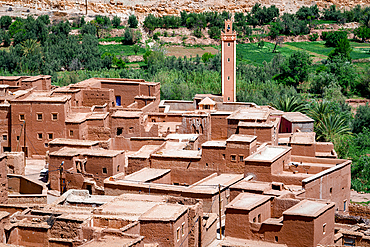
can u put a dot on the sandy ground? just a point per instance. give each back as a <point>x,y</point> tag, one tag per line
<point>358,197</point>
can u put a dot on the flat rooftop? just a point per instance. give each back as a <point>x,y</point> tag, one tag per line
<point>144,152</point>
<point>241,138</point>
<point>77,142</point>
<point>249,113</point>
<point>256,124</point>
<point>297,117</point>
<point>238,242</point>
<point>269,153</point>
<point>164,212</point>
<point>111,241</point>
<point>127,114</point>
<point>248,201</point>
<point>182,137</point>
<point>212,181</point>
<point>66,151</point>
<point>256,186</point>
<point>303,138</point>
<point>308,208</point>
<point>146,175</point>
<point>214,144</point>
<point>176,149</point>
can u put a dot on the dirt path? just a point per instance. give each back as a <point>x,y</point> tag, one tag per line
<point>317,58</point>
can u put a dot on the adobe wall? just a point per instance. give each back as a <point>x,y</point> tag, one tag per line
<point>179,105</point>
<point>27,199</point>
<point>130,127</point>
<point>333,184</point>
<point>263,134</point>
<point>197,124</point>
<point>76,130</point>
<point>285,126</point>
<point>219,126</point>
<point>54,166</point>
<point>304,127</point>
<point>164,233</point>
<point>324,146</point>
<point>279,205</point>
<point>3,181</point>
<point>237,224</point>
<point>127,91</point>
<point>136,164</point>
<point>97,96</point>
<point>135,143</point>
<point>23,185</point>
<point>304,149</point>
<point>5,127</point>
<point>35,127</point>
<point>29,236</point>
<point>15,163</point>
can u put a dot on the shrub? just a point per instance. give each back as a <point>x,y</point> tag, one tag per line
<point>198,32</point>
<point>156,35</point>
<point>214,32</point>
<point>5,22</point>
<point>313,37</point>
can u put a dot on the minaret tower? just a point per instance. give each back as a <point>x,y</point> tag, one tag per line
<point>228,62</point>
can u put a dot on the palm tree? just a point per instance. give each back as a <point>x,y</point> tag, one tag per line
<point>30,47</point>
<point>318,110</point>
<point>332,126</point>
<point>290,104</point>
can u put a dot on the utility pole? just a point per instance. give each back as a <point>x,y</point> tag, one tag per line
<point>61,177</point>
<point>219,209</point>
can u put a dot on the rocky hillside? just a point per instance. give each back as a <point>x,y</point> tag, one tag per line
<point>161,7</point>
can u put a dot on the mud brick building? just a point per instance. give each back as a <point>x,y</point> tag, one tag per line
<point>167,173</point>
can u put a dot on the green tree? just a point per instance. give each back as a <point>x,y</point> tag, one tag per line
<point>132,21</point>
<point>5,22</point>
<point>295,69</point>
<point>342,49</point>
<point>116,22</point>
<point>136,49</point>
<point>362,32</point>
<point>362,119</point>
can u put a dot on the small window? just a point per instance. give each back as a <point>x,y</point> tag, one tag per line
<point>223,156</point>
<point>276,239</point>
<point>183,229</point>
<point>241,158</point>
<point>39,135</point>
<point>207,107</point>
<point>105,170</point>
<point>228,98</point>
<point>331,190</point>
<point>233,157</point>
<point>259,218</point>
<point>178,234</point>
<point>54,116</point>
<point>71,133</point>
<point>119,131</point>
<point>323,228</point>
<point>118,168</point>
<point>228,59</point>
<point>17,138</point>
<point>46,144</point>
<point>228,44</point>
<point>21,117</point>
<point>254,220</point>
<point>5,137</point>
<point>50,136</point>
<point>131,130</point>
<point>345,205</point>
<point>228,78</point>
<point>39,116</point>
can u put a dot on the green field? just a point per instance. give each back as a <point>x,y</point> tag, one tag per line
<point>360,50</point>
<point>120,50</point>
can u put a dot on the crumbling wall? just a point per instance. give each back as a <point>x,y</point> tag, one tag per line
<point>15,163</point>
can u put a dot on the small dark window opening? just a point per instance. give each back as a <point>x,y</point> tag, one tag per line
<point>105,170</point>
<point>17,138</point>
<point>119,131</point>
<point>233,157</point>
<point>241,158</point>
<point>39,135</point>
<point>50,136</point>
<point>39,116</point>
<point>276,239</point>
<point>5,137</point>
<point>55,116</point>
<point>259,218</point>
